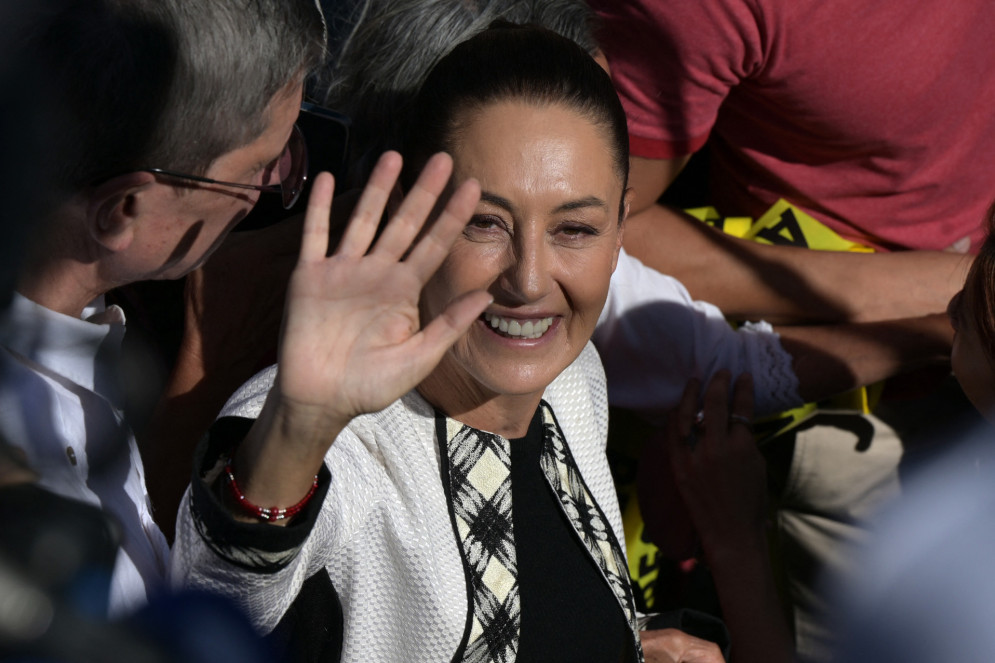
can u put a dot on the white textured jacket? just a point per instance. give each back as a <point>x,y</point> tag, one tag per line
<point>383,532</point>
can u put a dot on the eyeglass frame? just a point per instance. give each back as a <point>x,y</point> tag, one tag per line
<point>294,194</point>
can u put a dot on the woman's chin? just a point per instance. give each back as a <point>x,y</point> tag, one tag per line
<point>515,365</point>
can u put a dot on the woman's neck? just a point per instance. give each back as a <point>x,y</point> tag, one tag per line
<point>466,401</point>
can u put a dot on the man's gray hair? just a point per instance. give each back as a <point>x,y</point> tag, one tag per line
<point>174,83</point>
<point>393,44</point>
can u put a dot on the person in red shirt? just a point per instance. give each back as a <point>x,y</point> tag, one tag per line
<point>870,119</point>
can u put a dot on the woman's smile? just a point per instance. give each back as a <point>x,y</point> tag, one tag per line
<point>517,328</point>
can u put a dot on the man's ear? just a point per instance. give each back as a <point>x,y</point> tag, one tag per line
<point>114,209</point>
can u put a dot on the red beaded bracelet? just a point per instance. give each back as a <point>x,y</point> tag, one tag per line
<point>273,513</point>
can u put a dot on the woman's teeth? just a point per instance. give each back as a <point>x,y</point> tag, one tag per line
<point>519,328</point>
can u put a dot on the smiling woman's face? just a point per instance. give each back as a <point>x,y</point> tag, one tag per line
<point>543,241</point>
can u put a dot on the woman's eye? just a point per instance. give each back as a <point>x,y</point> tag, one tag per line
<point>577,230</point>
<point>484,223</point>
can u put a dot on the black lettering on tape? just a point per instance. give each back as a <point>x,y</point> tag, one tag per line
<point>789,225</point>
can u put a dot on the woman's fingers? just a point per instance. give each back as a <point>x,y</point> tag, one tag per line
<point>433,247</point>
<point>416,207</point>
<point>439,334</point>
<point>366,216</point>
<point>314,242</point>
<point>674,646</point>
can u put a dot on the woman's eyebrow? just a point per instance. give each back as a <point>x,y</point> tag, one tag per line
<point>590,201</point>
<point>581,203</point>
<point>495,199</point>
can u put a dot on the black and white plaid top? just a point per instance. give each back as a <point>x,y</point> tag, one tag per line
<point>478,478</point>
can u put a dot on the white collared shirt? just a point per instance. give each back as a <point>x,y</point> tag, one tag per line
<point>60,403</point>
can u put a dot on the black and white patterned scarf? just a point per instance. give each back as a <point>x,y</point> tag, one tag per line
<point>478,477</point>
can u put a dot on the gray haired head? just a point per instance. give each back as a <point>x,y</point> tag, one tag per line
<point>172,83</point>
<point>393,44</point>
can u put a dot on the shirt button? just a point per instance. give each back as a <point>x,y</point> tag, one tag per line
<point>71,455</point>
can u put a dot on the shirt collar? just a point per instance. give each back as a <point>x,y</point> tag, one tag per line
<point>85,351</point>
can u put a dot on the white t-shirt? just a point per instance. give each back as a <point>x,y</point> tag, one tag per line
<point>653,338</point>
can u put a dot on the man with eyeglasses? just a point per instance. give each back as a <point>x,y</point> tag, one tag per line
<point>184,113</point>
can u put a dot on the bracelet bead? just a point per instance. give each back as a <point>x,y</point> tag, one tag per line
<point>270,514</point>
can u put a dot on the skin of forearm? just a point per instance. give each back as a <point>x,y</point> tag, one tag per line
<point>834,358</point>
<point>902,284</point>
<point>276,463</point>
<point>780,284</point>
<point>750,605</point>
<point>730,273</point>
<point>789,285</point>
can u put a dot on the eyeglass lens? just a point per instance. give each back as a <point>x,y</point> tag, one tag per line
<point>292,167</point>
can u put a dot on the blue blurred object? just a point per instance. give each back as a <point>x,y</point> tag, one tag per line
<point>196,627</point>
<point>56,560</point>
<point>926,587</point>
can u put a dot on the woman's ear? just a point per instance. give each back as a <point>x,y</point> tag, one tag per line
<point>599,57</point>
<point>114,208</point>
<point>626,198</point>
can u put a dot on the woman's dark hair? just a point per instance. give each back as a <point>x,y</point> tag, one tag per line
<point>512,62</point>
<point>979,289</point>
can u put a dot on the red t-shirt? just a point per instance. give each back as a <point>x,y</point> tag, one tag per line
<point>876,116</point>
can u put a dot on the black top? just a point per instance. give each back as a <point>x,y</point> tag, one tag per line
<point>569,613</point>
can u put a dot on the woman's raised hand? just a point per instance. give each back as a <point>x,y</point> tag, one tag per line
<point>352,340</point>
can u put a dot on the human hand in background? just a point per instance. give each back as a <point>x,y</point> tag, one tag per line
<point>720,475</point>
<point>672,646</point>
<point>703,482</point>
<point>716,465</point>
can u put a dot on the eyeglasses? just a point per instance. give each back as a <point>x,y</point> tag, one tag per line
<point>291,166</point>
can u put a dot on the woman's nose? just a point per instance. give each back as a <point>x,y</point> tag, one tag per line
<point>527,278</point>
